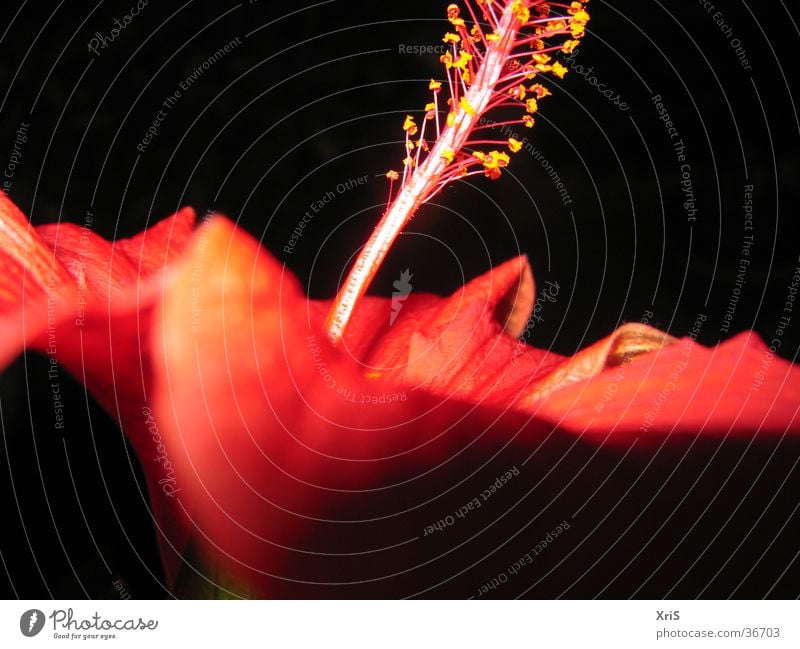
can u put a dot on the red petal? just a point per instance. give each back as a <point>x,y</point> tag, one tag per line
<point>28,271</point>
<point>277,439</point>
<point>739,388</point>
<point>637,380</point>
<point>110,270</point>
<point>467,346</point>
<point>276,448</point>
<point>271,428</point>
<point>88,304</point>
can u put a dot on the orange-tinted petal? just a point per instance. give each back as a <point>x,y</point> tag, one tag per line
<point>88,303</point>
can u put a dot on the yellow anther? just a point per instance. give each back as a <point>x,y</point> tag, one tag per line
<point>579,19</point>
<point>519,92</point>
<point>540,90</point>
<point>468,109</point>
<point>521,12</point>
<point>514,145</point>
<point>463,60</point>
<point>453,13</point>
<point>569,46</point>
<point>494,160</point>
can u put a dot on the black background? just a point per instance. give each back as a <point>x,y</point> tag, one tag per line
<point>313,97</point>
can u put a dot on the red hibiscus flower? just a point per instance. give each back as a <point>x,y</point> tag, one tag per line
<point>281,465</point>
<point>401,446</point>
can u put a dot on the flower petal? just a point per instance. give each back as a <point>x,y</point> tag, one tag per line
<point>738,388</point>
<point>298,468</point>
<point>466,346</point>
<point>298,472</point>
<point>273,431</point>
<point>87,303</point>
<point>637,380</point>
<point>29,272</point>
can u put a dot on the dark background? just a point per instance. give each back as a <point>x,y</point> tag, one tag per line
<point>313,97</point>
